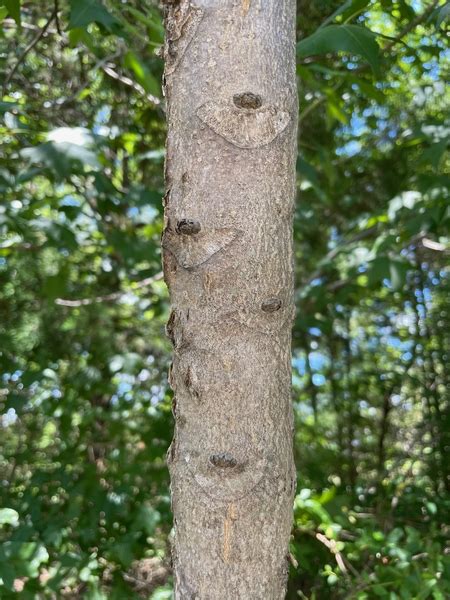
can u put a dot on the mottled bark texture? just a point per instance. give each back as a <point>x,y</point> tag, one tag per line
<point>231,95</point>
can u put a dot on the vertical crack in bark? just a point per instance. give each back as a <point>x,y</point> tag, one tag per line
<point>246,7</point>
<point>227,531</point>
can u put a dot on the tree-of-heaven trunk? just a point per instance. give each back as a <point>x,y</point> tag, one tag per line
<point>230,85</point>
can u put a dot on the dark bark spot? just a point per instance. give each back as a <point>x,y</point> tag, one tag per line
<point>223,460</point>
<point>247,100</point>
<point>187,378</point>
<point>188,227</point>
<point>293,484</point>
<point>169,374</point>
<point>166,199</point>
<point>271,305</point>
<point>170,326</point>
<point>171,49</point>
<point>170,456</point>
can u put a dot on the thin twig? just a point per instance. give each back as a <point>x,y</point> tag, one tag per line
<point>361,235</point>
<point>78,91</point>
<point>28,49</point>
<point>11,24</point>
<point>58,25</point>
<point>109,297</point>
<point>90,202</point>
<point>412,25</point>
<point>315,104</point>
<point>336,13</point>
<point>332,547</point>
<point>130,83</point>
<point>343,563</point>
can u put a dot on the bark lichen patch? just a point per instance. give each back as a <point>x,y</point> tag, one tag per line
<point>247,100</point>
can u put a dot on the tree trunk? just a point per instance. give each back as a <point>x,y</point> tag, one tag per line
<point>230,84</point>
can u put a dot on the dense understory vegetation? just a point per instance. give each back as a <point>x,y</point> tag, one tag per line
<point>85,409</point>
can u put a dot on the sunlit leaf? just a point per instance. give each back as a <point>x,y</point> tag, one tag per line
<point>13,7</point>
<point>84,12</point>
<point>9,516</point>
<point>342,38</point>
<point>443,15</point>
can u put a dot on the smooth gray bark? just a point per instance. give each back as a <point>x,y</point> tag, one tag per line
<point>230,84</point>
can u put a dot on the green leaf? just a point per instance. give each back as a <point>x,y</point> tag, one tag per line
<point>327,495</point>
<point>63,158</point>
<point>405,200</point>
<point>443,14</point>
<point>55,285</point>
<point>347,9</point>
<point>435,153</point>
<point>123,553</point>
<point>334,109</point>
<point>142,73</point>
<point>431,507</point>
<point>370,90</point>
<point>162,594</point>
<point>3,12</point>
<point>309,174</point>
<point>342,38</point>
<point>398,271</point>
<point>377,270</point>
<point>37,555</point>
<point>84,12</point>
<point>148,518</point>
<point>7,106</point>
<point>7,575</point>
<point>13,7</point>
<point>9,516</point>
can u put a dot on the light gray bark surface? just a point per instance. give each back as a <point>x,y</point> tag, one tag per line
<point>230,85</point>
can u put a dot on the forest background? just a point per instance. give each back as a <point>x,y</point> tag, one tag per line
<point>85,408</point>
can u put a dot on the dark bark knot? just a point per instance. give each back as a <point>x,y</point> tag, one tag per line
<point>223,460</point>
<point>188,227</point>
<point>247,100</point>
<point>271,305</point>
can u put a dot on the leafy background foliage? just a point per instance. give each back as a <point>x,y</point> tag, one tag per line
<point>85,410</point>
